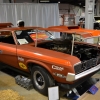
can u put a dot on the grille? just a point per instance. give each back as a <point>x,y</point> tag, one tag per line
<point>85,65</point>
<point>98,60</point>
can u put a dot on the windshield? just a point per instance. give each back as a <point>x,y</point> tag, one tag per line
<point>80,38</point>
<point>70,36</point>
<point>30,35</point>
<point>92,40</point>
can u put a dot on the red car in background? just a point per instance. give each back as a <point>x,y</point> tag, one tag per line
<point>4,25</point>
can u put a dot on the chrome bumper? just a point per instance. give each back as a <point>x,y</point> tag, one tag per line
<point>72,77</point>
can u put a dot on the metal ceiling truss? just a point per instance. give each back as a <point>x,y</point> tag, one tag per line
<point>80,3</point>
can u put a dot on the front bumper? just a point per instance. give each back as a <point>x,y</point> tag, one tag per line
<point>72,77</point>
<point>67,87</point>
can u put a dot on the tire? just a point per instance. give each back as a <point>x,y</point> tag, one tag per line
<point>41,80</point>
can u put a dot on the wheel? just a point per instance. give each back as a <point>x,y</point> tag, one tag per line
<point>41,80</point>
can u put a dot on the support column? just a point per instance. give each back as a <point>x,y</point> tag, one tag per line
<point>98,8</point>
<point>89,14</point>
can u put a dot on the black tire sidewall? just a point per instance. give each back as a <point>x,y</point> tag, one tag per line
<point>46,79</point>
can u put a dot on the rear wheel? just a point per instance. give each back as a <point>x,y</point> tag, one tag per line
<point>41,80</point>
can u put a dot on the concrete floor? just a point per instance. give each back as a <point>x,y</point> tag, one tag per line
<point>8,82</point>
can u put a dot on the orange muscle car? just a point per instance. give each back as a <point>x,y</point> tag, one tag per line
<point>4,25</point>
<point>93,37</point>
<point>49,61</point>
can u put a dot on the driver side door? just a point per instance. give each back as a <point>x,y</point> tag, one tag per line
<point>8,53</point>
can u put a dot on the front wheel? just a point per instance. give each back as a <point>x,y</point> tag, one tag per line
<point>41,80</point>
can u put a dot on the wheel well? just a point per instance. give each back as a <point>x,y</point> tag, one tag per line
<point>30,65</point>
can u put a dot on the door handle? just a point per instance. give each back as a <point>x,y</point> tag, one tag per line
<point>1,51</point>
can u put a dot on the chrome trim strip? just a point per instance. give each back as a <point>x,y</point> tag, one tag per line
<point>72,77</point>
<point>77,63</point>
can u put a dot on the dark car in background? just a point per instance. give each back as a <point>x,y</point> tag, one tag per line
<point>96,22</point>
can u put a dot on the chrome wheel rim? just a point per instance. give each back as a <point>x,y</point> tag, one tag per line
<point>39,80</point>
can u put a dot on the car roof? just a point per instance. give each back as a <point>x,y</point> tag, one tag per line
<point>83,32</point>
<point>65,27</point>
<point>60,28</point>
<point>7,24</point>
<point>19,28</point>
<point>93,32</point>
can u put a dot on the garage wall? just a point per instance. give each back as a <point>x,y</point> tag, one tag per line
<point>63,8</point>
<point>69,12</point>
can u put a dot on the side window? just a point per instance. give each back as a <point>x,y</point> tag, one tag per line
<point>23,37</point>
<point>6,37</point>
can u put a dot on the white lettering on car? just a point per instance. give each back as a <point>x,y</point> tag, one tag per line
<point>57,68</point>
<point>20,59</point>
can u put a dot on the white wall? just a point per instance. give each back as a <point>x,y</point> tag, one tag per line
<point>1,1</point>
<point>34,14</point>
<point>77,11</point>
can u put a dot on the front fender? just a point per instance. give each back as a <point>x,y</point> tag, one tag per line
<point>46,66</point>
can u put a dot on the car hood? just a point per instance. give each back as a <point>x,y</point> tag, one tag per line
<point>46,55</point>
